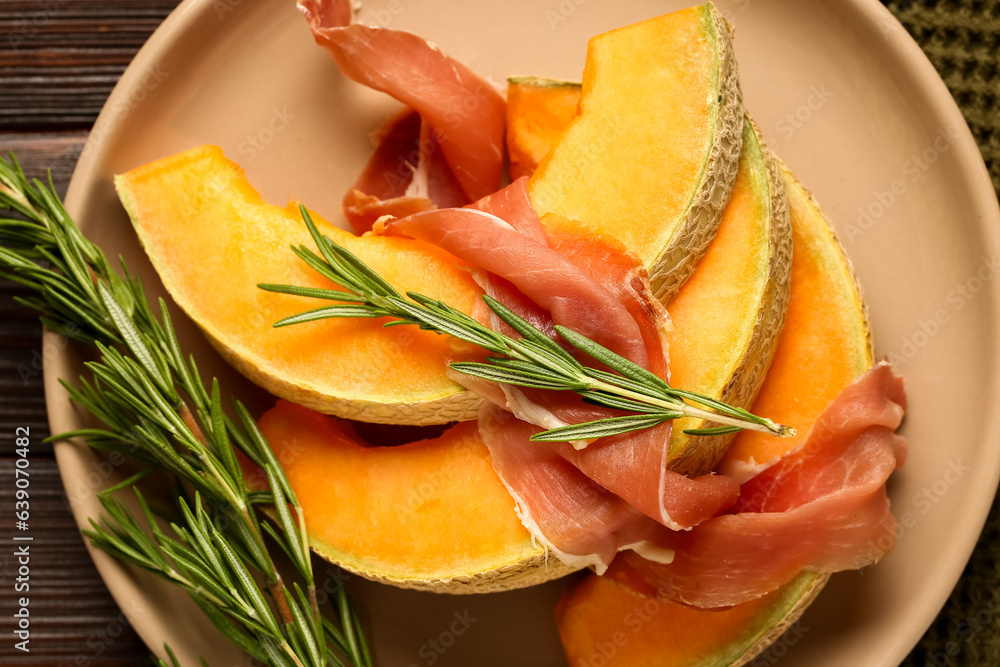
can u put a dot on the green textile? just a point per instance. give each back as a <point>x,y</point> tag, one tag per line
<point>962,39</point>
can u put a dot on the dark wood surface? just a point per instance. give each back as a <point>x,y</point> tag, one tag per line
<point>59,60</point>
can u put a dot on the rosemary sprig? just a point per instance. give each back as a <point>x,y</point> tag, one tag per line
<point>156,409</point>
<point>534,360</point>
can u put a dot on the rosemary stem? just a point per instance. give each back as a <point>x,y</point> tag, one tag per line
<point>689,410</point>
<point>277,588</point>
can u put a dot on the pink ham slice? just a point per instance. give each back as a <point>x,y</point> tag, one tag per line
<point>465,112</point>
<point>582,522</point>
<point>546,277</point>
<point>406,174</point>
<point>822,508</point>
<point>381,188</point>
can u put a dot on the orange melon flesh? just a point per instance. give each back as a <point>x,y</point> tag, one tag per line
<point>620,67</point>
<point>600,619</point>
<point>537,111</point>
<point>645,141</point>
<point>829,344</point>
<point>423,511</point>
<point>212,239</point>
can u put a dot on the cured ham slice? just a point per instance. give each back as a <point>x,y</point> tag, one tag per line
<point>822,508</point>
<point>406,174</point>
<point>583,523</point>
<point>381,189</point>
<point>512,204</point>
<point>545,276</point>
<point>465,112</point>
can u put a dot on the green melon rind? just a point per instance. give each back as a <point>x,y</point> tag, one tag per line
<point>531,567</point>
<point>797,596</point>
<point>542,82</point>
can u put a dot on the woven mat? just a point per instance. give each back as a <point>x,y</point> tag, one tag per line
<point>962,39</point>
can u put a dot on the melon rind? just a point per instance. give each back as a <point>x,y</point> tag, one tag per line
<point>693,227</point>
<point>697,454</point>
<point>537,568</point>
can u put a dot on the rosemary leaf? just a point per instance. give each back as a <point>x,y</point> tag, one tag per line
<point>507,375</point>
<point>721,430</point>
<point>604,427</point>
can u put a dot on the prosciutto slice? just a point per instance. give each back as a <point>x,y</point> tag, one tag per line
<point>822,508</point>
<point>465,113</point>
<point>579,520</point>
<point>381,189</point>
<point>545,276</point>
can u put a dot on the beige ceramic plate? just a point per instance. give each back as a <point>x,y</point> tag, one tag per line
<point>851,105</point>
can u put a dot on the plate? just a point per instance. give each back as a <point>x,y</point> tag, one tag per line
<point>844,96</point>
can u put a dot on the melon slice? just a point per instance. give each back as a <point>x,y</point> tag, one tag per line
<point>728,315</point>
<point>212,239</point>
<point>602,623</point>
<point>430,515</point>
<point>538,109</point>
<point>652,156</point>
<point>826,343</point>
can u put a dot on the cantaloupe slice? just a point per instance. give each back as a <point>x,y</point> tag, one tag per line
<point>212,239</point>
<point>602,623</point>
<point>538,109</point>
<point>832,344</point>
<point>728,315</point>
<point>652,156</point>
<point>430,515</point>
<point>826,343</point>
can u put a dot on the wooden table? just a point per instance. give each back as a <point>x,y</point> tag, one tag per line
<point>59,60</point>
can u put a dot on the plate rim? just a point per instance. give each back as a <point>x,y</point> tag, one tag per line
<point>893,41</point>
